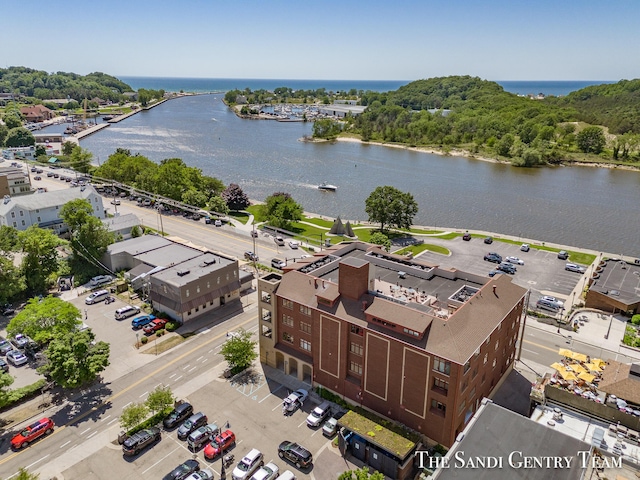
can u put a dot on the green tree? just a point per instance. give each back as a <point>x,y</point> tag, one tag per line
<point>6,379</point>
<point>67,148</point>
<point>12,121</point>
<point>388,206</point>
<point>326,128</point>
<point>159,399</point>
<point>591,140</point>
<point>361,474</point>
<point>133,415</point>
<point>136,231</point>
<point>239,351</point>
<point>281,210</point>
<point>89,236</point>
<point>81,159</point>
<point>234,196</point>
<point>195,198</point>
<point>44,319</point>
<point>40,256</point>
<point>218,205</point>
<point>75,359</point>
<point>8,240</point>
<point>19,137</point>
<point>503,147</point>
<point>11,280</point>
<point>379,238</point>
<point>4,130</point>
<point>23,474</point>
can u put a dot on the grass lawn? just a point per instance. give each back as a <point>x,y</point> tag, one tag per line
<point>240,216</point>
<point>416,249</point>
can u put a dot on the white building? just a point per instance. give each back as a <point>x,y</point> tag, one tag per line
<point>42,209</point>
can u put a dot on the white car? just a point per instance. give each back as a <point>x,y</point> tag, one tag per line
<point>515,260</point>
<point>218,223</point>
<point>525,247</point>
<point>572,267</point>
<point>101,279</point>
<point>551,299</point>
<point>293,244</point>
<point>294,400</point>
<point>204,474</point>
<point>267,472</point>
<point>16,357</point>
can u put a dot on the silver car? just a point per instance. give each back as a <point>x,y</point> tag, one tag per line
<point>17,358</point>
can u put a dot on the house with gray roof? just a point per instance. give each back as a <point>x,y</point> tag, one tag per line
<point>43,209</point>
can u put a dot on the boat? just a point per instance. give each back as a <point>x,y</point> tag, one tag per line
<point>327,187</point>
<point>106,118</point>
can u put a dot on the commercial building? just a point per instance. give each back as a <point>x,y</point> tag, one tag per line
<point>37,113</point>
<point>413,342</point>
<point>184,281</point>
<point>43,209</point>
<point>14,181</point>
<point>614,286</point>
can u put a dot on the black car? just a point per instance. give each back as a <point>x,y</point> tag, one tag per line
<point>507,268</point>
<point>139,441</point>
<point>7,309</point>
<point>178,415</point>
<point>493,257</point>
<point>296,454</point>
<point>488,240</point>
<point>196,420</point>
<point>466,237</point>
<point>4,366</point>
<point>183,470</point>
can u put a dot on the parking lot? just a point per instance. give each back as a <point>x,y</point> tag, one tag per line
<point>253,409</point>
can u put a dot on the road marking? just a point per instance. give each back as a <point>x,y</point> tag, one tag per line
<point>542,346</point>
<point>172,375</point>
<point>267,396</point>
<point>178,378</point>
<point>143,394</point>
<point>105,418</point>
<point>198,359</point>
<point>125,406</point>
<point>277,406</point>
<point>184,368</point>
<point>319,428</point>
<point>37,461</point>
<point>205,360</point>
<point>160,460</point>
<point>114,420</point>
<point>158,385</point>
<point>109,400</point>
<point>530,351</point>
<point>86,431</point>
<point>303,423</point>
<point>210,351</point>
<point>194,368</point>
<point>89,436</point>
<point>65,444</point>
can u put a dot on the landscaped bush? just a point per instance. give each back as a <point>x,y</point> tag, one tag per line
<point>151,421</point>
<point>172,326</point>
<point>144,340</point>
<point>160,332</point>
<point>23,393</point>
<point>635,319</point>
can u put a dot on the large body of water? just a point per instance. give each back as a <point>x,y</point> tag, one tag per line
<point>581,206</point>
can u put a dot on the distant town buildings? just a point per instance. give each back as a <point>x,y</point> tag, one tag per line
<point>14,181</point>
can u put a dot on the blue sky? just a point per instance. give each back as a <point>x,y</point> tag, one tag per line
<point>352,40</point>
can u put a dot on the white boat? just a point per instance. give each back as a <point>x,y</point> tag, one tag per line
<point>327,187</point>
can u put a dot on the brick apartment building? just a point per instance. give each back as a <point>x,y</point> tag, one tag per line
<point>413,342</point>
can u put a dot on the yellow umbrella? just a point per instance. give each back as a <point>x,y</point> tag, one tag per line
<point>576,367</point>
<point>557,366</point>
<point>581,357</point>
<point>565,353</point>
<point>567,375</point>
<point>598,361</point>
<point>593,367</point>
<point>586,377</point>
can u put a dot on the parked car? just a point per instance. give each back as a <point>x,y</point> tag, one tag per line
<point>205,474</point>
<point>249,464</point>
<point>221,442</point>
<point>101,280</point>
<point>183,470</point>
<point>142,320</point>
<point>507,268</point>
<point>493,273</point>
<point>515,260</point>
<point>202,435</point>
<point>525,247</point>
<point>49,174</point>
<point>319,414</point>
<point>295,453</point>
<point>37,177</point>
<point>278,263</point>
<point>141,440</point>
<point>330,427</point>
<point>488,240</point>
<point>196,420</point>
<point>177,415</point>
<point>218,223</point>
<point>466,237</point>
<point>96,297</point>
<point>4,366</point>
<point>16,357</point>
<point>294,400</point>
<point>32,432</point>
<point>293,244</point>
<point>563,255</point>
<point>279,240</point>
<point>251,256</point>
<point>551,299</point>
<point>493,257</point>
<point>154,325</point>
<point>146,202</point>
<point>7,309</point>
<point>269,471</point>
<point>126,312</point>
<point>572,267</point>
<point>254,233</point>
<point>547,305</point>
<point>5,346</point>
<point>115,201</point>
<point>20,341</point>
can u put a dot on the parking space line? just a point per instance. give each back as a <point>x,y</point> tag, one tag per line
<point>85,431</point>
<point>268,395</point>
<point>316,431</point>
<point>203,361</point>
<point>65,444</point>
<point>105,418</point>
<point>160,460</point>
<point>277,406</point>
<point>143,394</point>
<point>303,423</point>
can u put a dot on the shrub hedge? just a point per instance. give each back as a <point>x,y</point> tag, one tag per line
<point>23,393</point>
<point>151,421</point>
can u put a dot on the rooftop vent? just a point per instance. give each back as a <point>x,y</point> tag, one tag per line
<point>182,273</point>
<point>209,261</point>
<point>7,199</point>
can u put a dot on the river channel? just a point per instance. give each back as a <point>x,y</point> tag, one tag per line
<point>581,206</point>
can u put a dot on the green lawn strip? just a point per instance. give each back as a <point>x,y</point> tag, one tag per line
<point>416,249</point>
<point>574,257</point>
<point>256,211</point>
<point>239,216</point>
<point>319,222</point>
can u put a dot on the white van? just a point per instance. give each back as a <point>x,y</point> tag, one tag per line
<point>286,475</point>
<point>96,297</point>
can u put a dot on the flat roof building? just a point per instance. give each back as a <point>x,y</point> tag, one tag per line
<point>414,342</point>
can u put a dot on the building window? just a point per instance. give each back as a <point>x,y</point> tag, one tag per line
<point>305,310</point>
<point>187,292</point>
<point>37,210</point>
<point>472,394</point>
<point>164,288</point>
<point>461,407</point>
<point>23,223</point>
<point>21,213</point>
<point>305,345</point>
<point>494,363</point>
<point>287,337</point>
<point>197,309</point>
<point>208,285</point>
<point>467,366</point>
<point>442,366</point>
<point>39,220</point>
<point>15,224</point>
<point>13,214</point>
<point>497,344</point>
<point>287,304</point>
<point>355,368</point>
<point>305,327</point>
<point>438,407</point>
<point>357,330</point>
<point>486,356</point>
<point>474,373</point>
<point>441,385</point>
<point>356,348</point>
<point>465,384</point>
<point>411,332</point>
<point>287,320</point>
